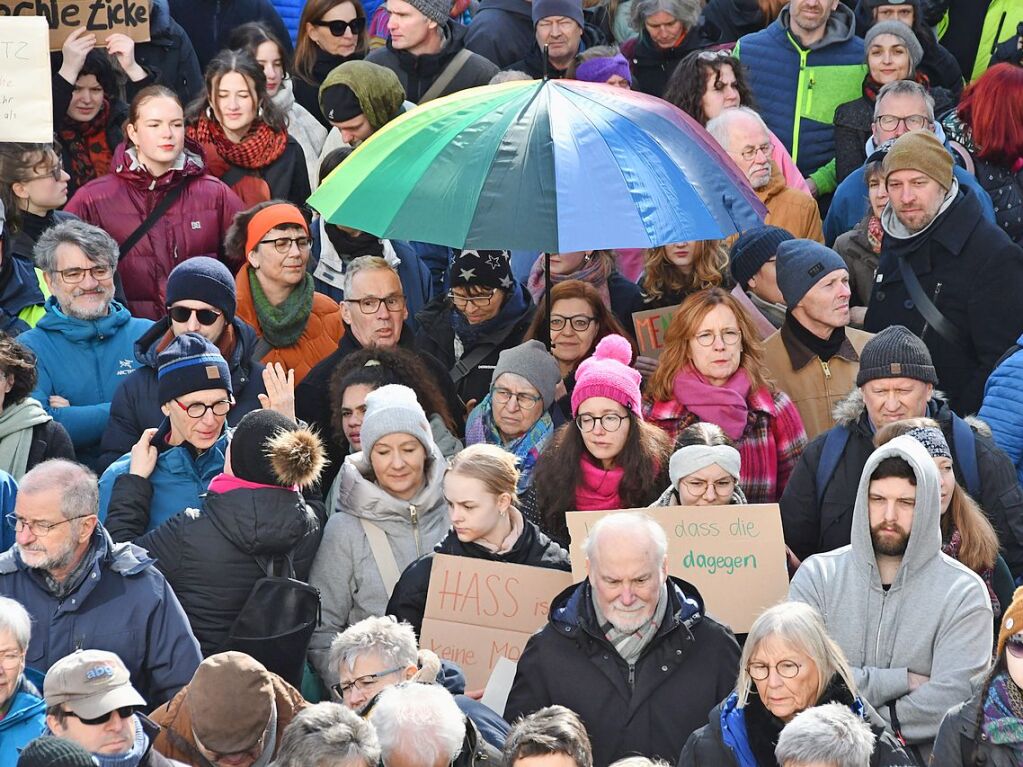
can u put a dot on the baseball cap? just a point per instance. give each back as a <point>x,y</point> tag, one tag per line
<point>90,683</point>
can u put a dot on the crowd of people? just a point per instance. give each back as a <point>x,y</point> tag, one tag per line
<point>234,435</point>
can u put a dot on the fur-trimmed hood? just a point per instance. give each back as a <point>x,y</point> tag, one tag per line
<point>849,410</point>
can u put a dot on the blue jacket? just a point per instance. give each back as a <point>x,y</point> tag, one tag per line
<point>121,604</point>
<point>8,494</point>
<point>178,481</point>
<point>798,89</point>
<point>1002,408</point>
<point>25,720</point>
<point>83,361</point>
<point>290,11</point>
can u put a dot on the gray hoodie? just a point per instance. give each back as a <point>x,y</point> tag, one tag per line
<point>345,570</point>
<point>935,619</point>
<point>841,26</point>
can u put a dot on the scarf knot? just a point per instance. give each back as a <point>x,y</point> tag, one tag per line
<point>283,325</point>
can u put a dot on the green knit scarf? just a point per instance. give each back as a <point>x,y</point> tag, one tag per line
<point>282,325</point>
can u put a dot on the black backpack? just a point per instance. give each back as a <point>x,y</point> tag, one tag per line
<point>277,621</point>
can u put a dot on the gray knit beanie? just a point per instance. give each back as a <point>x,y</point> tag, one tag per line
<point>895,353</point>
<point>434,10</point>
<point>394,409</point>
<point>901,31</point>
<point>801,265</point>
<point>532,361</point>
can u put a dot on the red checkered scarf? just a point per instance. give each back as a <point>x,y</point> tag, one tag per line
<point>260,147</point>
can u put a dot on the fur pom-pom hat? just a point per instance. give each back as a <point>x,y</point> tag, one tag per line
<point>607,374</point>
<point>271,449</point>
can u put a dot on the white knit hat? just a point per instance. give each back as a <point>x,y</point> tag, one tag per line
<point>394,409</point>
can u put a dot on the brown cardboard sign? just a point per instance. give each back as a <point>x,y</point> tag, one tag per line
<point>651,326</point>
<point>734,555</point>
<point>101,17</point>
<point>478,611</point>
<point>26,109</point>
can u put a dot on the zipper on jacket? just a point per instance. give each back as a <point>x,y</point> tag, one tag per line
<point>880,623</point>
<point>413,513</point>
<point>809,94</point>
<point>826,368</point>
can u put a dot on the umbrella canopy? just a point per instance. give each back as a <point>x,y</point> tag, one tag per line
<point>554,166</point>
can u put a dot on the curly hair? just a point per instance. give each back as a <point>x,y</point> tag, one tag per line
<point>660,276</point>
<point>18,362</point>
<point>696,73</point>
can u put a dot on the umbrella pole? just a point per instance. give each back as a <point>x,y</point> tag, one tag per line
<point>547,295</point>
<point>546,63</point>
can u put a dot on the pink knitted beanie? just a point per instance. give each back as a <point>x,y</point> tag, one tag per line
<point>607,374</point>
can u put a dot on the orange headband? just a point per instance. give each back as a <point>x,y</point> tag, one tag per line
<point>271,217</point>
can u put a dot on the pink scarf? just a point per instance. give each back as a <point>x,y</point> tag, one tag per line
<point>591,271</point>
<point>598,487</point>
<point>223,483</point>
<point>722,405</point>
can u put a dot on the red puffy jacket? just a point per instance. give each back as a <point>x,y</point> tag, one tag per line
<point>194,225</point>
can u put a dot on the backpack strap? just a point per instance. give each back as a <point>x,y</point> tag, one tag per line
<point>450,72</point>
<point>834,446</point>
<point>154,215</point>
<point>964,444</point>
<point>931,313</point>
<point>382,554</point>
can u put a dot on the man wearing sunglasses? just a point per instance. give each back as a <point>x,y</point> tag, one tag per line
<point>201,299</point>
<point>90,701</point>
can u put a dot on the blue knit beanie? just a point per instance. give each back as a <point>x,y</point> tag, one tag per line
<point>801,265</point>
<point>203,279</point>
<point>190,363</point>
<point>754,248</point>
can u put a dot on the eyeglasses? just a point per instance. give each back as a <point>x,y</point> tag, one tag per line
<point>608,422</point>
<point>787,669</point>
<point>731,336</point>
<point>912,122</point>
<point>12,658</point>
<point>338,27</point>
<point>75,275</point>
<point>699,486</point>
<point>39,529</point>
<point>371,304</point>
<point>1015,647</point>
<point>363,682</point>
<point>55,173</point>
<point>124,712</point>
<point>579,322</point>
<point>283,244</point>
<point>504,396</point>
<point>198,409</point>
<point>462,301</point>
<point>750,152</point>
<point>183,314</point>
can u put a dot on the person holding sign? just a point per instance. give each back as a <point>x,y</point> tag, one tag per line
<point>789,664</point>
<point>630,649</point>
<point>480,488</point>
<point>704,471</point>
<point>608,457</point>
<point>712,370</point>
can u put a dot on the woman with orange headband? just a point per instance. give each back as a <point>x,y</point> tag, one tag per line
<point>297,326</point>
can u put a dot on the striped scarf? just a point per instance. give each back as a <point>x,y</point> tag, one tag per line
<point>480,428</point>
<point>630,644</point>
<point>1003,714</point>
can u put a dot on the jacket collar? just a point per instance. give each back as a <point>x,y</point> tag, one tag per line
<point>800,354</point>
<point>76,330</point>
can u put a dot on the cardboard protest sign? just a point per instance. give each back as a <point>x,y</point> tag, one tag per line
<point>651,325</point>
<point>478,611</point>
<point>734,555</point>
<point>26,103</point>
<point>101,17</point>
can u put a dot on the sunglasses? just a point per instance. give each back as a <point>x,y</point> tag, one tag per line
<point>124,712</point>
<point>338,27</point>
<point>1015,648</point>
<point>183,314</point>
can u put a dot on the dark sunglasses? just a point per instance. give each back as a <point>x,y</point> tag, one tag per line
<point>183,314</point>
<point>1015,648</point>
<point>338,28</point>
<point>124,712</point>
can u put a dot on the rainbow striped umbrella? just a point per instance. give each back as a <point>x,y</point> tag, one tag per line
<point>547,165</point>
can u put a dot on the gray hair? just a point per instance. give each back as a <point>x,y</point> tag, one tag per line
<point>686,11</point>
<point>325,735</point>
<point>627,521</point>
<point>721,126</point>
<point>15,619</point>
<point>904,88</point>
<point>79,487</point>
<point>828,734</point>
<point>508,76</point>
<point>394,642</point>
<point>363,264</point>
<point>639,761</point>
<point>550,730</point>
<point>422,722</point>
<point>801,626</point>
<point>98,246</point>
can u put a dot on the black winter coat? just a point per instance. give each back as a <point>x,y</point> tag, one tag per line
<point>812,529</point>
<point>308,94</point>
<point>688,666</point>
<point>208,23</point>
<point>532,62</point>
<point>725,21</point>
<point>287,176</point>
<point>169,54</point>
<point>651,66</point>
<point>1005,189</point>
<point>958,744</point>
<point>502,31</point>
<point>533,548</point>
<point>209,555</point>
<point>973,272</point>
<point>136,403</point>
<point>49,440</point>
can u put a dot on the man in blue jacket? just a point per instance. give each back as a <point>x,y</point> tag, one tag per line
<point>84,592</point>
<point>84,344</point>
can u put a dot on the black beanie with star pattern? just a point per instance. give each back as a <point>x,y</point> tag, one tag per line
<point>482,268</point>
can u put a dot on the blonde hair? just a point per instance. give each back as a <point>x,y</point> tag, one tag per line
<point>660,276</point>
<point>494,467</point>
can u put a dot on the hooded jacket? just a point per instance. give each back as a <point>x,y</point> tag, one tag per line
<point>345,569</point>
<point>799,88</point>
<point>169,54</point>
<point>690,660</point>
<point>935,619</point>
<point>417,74</point>
<point>121,603</point>
<point>725,21</point>
<point>533,548</point>
<point>973,273</point>
<point>136,403</point>
<point>811,527</point>
<point>502,31</point>
<point>83,361</point>
<point>194,225</point>
<point>25,719</point>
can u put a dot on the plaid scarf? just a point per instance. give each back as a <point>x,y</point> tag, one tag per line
<point>87,146</point>
<point>260,147</point>
<point>1003,714</point>
<point>480,428</point>
<point>630,644</point>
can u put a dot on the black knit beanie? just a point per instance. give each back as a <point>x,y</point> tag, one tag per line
<point>754,248</point>
<point>203,279</point>
<point>270,449</point>
<point>896,353</point>
<point>49,751</point>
